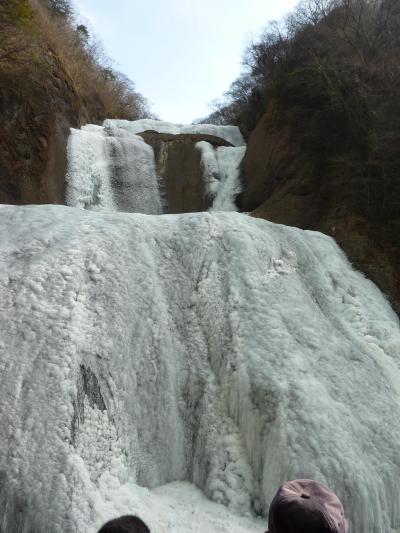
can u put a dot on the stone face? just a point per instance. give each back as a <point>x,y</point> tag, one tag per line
<point>178,163</point>
<point>37,110</point>
<point>283,186</point>
<point>152,136</point>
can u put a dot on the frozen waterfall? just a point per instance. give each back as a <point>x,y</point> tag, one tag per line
<point>111,168</point>
<point>140,354</point>
<point>228,133</point>
<point>221,171</point>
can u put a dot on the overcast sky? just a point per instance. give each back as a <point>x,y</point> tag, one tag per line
<point>181,54</point>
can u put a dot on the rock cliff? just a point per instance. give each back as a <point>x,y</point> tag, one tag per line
<point>37,110</point>
<point>282,185</point>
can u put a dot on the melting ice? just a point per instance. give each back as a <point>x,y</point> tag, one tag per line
<point>142,354</point>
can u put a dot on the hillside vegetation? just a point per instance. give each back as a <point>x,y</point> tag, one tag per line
<point>330,75</point>
<point>338,59</point>
<point>30,30</point>
<point>319,100</point>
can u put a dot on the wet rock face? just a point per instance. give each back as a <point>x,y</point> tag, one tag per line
<point>282,185</point>
<point>178,162</point>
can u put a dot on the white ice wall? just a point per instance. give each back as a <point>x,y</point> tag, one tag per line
<point>214,348</point>
<point>111,169</point>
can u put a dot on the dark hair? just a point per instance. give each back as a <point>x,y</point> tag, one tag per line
<point>125,524</point>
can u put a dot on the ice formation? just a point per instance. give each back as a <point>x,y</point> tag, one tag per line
<point>112,169</point>
<point>229,133</point>
<point>140,354</point>
<point>221,170</point>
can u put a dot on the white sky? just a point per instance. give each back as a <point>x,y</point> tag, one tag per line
<point>181,54</point>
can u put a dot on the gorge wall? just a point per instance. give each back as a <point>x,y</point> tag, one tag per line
<point>282,183</point>
<point>37,111</point>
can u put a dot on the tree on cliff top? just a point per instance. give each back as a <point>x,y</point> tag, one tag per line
<point>61,8</point>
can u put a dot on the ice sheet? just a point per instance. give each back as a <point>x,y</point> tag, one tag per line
<point>137,351</point>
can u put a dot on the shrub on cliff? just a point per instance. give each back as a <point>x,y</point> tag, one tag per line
<point>15,19</point>
<point>15,12</point>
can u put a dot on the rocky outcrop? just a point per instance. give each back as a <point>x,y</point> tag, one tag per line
<point>37,110</point>
<point>284,186</point>
<point>178,162</point>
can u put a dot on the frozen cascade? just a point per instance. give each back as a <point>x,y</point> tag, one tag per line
<point>112,169</point>
<point>229,133</point>
<point>141,353</point>
<point>221,171</point>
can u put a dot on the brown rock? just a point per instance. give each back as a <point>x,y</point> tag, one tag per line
<point>178,163</point>
<point>43,142</point>
<point>37,109</point>
<point>152,136</point>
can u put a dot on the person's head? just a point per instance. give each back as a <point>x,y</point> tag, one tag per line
<point>125,524</point>
<point>306,506</point>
